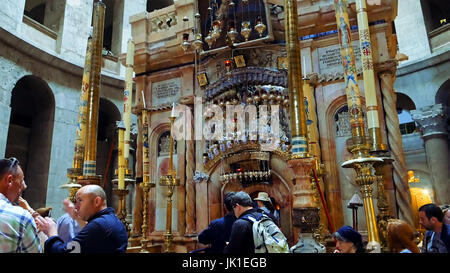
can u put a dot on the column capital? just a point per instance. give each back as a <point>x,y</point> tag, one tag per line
<point>432,120</point>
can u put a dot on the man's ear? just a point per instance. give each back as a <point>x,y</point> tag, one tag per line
<point>9,179</point>
<point>98,201</point>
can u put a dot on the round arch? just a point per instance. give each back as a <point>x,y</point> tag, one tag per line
<point>30,134</point>
<point>280,190</point>
<point>108,115</point>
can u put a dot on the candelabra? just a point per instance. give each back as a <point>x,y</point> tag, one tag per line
<point>121,190</point>
<point>171,181</point>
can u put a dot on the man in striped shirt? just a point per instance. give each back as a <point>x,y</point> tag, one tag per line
<point>18,232</point>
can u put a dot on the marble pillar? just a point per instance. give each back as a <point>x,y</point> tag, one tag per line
<point>432,122</point>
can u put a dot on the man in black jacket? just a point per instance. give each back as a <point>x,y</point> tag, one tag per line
<point>241,239</point>
<point>218,232</point>
<point>103,233</point>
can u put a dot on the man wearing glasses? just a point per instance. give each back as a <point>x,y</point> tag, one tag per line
<point>18,232</point>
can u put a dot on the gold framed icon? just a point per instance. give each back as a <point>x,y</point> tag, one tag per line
<point>239,61</point>
<point>202,79</point>
<point>282,63</point>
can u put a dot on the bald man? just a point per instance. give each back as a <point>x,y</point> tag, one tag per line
<point>103,233</point>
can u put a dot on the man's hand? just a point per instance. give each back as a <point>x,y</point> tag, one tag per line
<point>47,225</point>
<point>69,207</point>
<point>24,204</point>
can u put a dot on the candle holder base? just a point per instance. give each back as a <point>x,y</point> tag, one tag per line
<point>122,211</point>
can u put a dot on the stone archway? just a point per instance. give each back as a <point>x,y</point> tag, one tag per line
<point>107,139</point>
<point>443,97</point>
<point>280,189</point>
<point>30,134</point>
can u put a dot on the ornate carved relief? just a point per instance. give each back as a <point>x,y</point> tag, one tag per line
<point>432,120</point>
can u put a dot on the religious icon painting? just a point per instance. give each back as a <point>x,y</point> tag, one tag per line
<point>282,63</point>
<point>202,80</point>
<point>240,61</point>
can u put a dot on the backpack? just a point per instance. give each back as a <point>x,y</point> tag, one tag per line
<point>267,237</point>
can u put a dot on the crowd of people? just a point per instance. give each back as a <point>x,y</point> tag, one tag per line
<point>90,226</point>
<point>249,226</point>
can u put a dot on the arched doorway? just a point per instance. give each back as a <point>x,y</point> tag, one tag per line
<point>277,186</point>
<point>108,115</point>
<point>30,134</point>
<point>404,105</point>
<point>443,97</point>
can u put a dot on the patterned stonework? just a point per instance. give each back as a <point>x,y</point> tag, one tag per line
<point>432,120</point>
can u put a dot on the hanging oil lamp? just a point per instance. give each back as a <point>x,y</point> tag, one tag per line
<point>228,68</point>
<point>246,30</point>
<point>260,27</point>
<point>198,44</point>
<point>216,30</point>
<point>232,33</point>
<point>209,39</point>
<point>185,44</point>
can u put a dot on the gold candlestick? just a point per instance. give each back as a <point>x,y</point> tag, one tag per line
<point>90,155</point>
<point>80,141</point>
<point>121,157</point>
<point>362,162</point>
<point>171,181</point>
<point>146,184</point>
<point>121,190</point>
<point>122,209</point>
<point>297,108</point>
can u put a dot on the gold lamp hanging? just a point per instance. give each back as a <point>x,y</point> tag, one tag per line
<point>198,44</point>
<point>185,44</point>
<point>246,30</point>
<point>216,30</point>
<point>232,33</point>
<point>209,39</point>
<point>260,27</point>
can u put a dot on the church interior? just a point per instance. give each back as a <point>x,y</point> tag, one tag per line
<point>338,109</point>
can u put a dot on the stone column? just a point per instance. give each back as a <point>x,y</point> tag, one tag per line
<point>432,122</point>
<point>386,73</point>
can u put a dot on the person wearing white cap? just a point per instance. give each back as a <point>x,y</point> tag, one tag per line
<point>266,205</point>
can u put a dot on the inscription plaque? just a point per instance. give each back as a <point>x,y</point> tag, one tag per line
<point>330,60</point>
<point>167,91</point>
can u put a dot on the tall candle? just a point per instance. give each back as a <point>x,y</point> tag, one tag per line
<point>128,97</point>
<point>173,110</point>
<point>121,159</point>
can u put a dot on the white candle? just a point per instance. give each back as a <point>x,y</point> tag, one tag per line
<point>173,110</point>
<point>143,98</point>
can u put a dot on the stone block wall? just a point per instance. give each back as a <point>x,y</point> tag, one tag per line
<point>411,32</point>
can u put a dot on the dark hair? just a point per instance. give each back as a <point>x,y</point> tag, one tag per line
<point>243,199</point>
<point>431,210</point>
<point>268,205</point>
<point>8,165</point>
<point>228,199</point>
